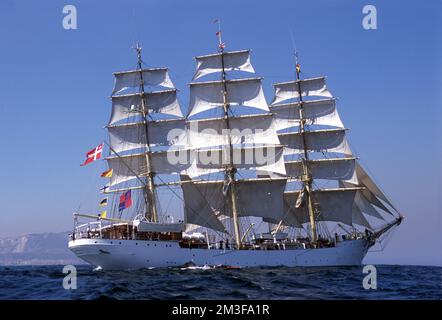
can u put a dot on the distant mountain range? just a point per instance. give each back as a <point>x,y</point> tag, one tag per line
<point>37,249</point>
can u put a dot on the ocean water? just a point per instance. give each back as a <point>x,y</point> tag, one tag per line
<point>393,282</point>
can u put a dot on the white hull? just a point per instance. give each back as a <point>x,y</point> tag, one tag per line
<point>136,254</point>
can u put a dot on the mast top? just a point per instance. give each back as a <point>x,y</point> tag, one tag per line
<point>221,44</point>
<point>138,50</point>
<point>297,65</point>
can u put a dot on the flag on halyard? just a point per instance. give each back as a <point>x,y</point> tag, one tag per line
<point>103,202</point>
<point>104,189</point>
<point>93,154</point>
<point>103,214</point>
<point>108,173</point>
<point>125,201</point>
<point>222,46</point>
<point>298,68</point>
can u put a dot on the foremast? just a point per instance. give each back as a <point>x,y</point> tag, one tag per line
<point>323,154</point>
<point>307,178</point>
<point>230,169</point>
<point>151,208</point>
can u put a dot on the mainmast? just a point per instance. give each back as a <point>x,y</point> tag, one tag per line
<point>307,176</point>
<point>151,208</point>
<point>230,170</point>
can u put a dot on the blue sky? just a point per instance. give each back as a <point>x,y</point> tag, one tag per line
<point>55,84</point>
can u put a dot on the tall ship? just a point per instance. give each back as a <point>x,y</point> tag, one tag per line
<point>235,182</point>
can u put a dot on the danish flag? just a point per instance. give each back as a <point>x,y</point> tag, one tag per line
<point>93,155</point>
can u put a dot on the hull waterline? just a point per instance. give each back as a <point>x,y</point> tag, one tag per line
<point>134,254</point>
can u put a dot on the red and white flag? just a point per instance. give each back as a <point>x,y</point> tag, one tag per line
<point>93,155</point>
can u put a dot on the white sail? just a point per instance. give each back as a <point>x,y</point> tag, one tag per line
<point>333,204</point>
<point>242,92</point>
<point>309,87</point>
<point>231,61</point>
<point>332,169</point>
<point>129,105</point>
<point>128,167</point>
<point>127,137</point>
<point>268,159</point>
<point>332,140</point>
<point>201,206</point>
<point>132,136</point>
<point>258,198</point>
<point>368,196</point>
<point>359,219</point>
<point>365,180</point>
<point>364,205</point>
<point>244,130</point>
<point>316,112</point>
<point>132,79</point>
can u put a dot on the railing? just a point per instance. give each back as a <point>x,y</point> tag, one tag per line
<point>94,229</point>
<point>87,230</point>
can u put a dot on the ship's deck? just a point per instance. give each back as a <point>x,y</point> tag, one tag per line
<point>124,231</point>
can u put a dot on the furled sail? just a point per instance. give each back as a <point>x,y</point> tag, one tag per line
<point>240,92</point>
<point>132,79</point>
<point>309,87</point>
<point>157,102</point>
<point>231,61</point>
<point>316,112</point>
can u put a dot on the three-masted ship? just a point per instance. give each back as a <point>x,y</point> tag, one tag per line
<point>235,182</point>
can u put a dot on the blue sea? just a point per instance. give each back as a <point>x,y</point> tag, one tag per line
<point>393,282</point>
